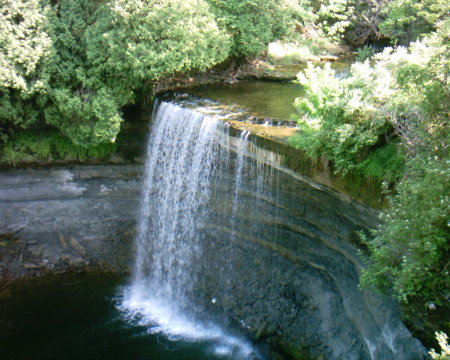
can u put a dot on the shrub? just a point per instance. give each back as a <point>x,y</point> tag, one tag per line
<point>29,146</point>
<point>364,52</point>
<point>338,119</point>
<point>406,20</point>
<point>353,121</point>
<point>409,251</point>
<point>74,64</point>
<point>252,24</point>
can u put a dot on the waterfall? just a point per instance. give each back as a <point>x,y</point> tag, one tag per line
<point>224,227</point>
<point>241,151</point>
<point>181,154</point>
<point>184,149</point>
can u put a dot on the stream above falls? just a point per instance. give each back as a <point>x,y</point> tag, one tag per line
<point>266,99</point>
<point>262,98</point>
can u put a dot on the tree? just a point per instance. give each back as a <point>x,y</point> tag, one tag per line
<point>357,121</point>
<point>252,24</point>
<point>137,41</point>
<point>72,65</point>
<point>365,21</point>
<point>25,48</point>
<point>401,97</point>
<point>341,120</point>
<point>410,250</point>
<point>406,20</point>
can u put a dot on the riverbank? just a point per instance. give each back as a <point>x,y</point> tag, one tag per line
<point>49,147</point>
<point>282,227</point>
<point>256,69</point>
<point>42,234</point>
<point>58,219</point>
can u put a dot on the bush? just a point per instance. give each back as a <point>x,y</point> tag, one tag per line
<point>335,16</point>
<point>25,49</point>
<point>357,121</point>
<point>29,146</point>
<point>364,53</point>
<point>409,252</point>
<point>252,24</point>
<point>338,119</point>
<point>291,53</point>
<point>386,163</point>
<point>389,120</point>
<point>74,64</point>
<point>406,20</point>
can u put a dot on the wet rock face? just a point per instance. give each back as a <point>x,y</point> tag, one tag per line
<point>56,219</point>
<point>276,256</point>
<point>289,272</point>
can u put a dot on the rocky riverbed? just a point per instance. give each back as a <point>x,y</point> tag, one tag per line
<point>59,218</point>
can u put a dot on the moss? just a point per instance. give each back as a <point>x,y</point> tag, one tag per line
<point>386,163</point>
<point>292,353</point>
<point>37,146</point>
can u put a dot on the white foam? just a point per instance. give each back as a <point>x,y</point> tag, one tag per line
<point>222,350</point>
<point>181,157</point>
<point>163,317</point>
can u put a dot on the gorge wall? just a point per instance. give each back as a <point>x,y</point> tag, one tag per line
<point>278,253</point>
<point>54,219</point>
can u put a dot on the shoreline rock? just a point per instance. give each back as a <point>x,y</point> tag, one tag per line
<point>57,219</point>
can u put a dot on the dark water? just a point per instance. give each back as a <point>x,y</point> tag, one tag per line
<point>76,317</point>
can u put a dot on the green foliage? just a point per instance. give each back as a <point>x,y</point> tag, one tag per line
<point>300,13</point>
<point>334,17</point>
<point>364,52</point>
<point>25,48</point>
<point>406,20</point>
<point>74,64</point>
<point>389,120</point>
<point>355,22</point>
<point>442,339</point>
<point>364,21</point>
<point>106,53</point>
<point>358,22</point>
<point>29,146</point>
<point>78,104</point>
<point>252,24</point>
<point>337,119</point>
<point>292,52</point>
<point>410,250</point>
<point>403,97</point>
<point>385,163</point>
<point>145,40</point>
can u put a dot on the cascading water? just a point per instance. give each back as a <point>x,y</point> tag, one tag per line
<point>234,231</point>
<point>180,157</point>
<point>241,151</point>
<point>184,149</point>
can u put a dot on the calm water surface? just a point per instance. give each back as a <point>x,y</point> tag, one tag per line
<point>269,99</point>
<point>260,98</point>
<point>76,317</point>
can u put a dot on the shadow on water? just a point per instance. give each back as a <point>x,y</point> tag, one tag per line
<point>77,317</point>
